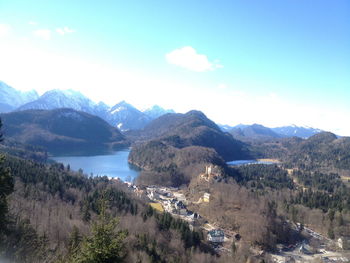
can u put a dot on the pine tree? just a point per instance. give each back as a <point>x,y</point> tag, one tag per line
<point>106,244</point>
<point>74,240</point>
<point>6,188</point>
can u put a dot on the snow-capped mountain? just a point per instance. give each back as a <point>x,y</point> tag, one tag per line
<point>122,115</point>
<point>11,98</point>
<point>156,111</point>
<point>298,131</point>
<point>55,99</point>
<point>127,117</point>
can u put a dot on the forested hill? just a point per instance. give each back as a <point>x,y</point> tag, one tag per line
<point>176,147</point>
<point>61,130</point>
<point>57,215</point>
<point>322,150</point>
<point>193,129</point>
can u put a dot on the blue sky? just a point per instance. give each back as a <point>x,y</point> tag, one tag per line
<point>269,62</point>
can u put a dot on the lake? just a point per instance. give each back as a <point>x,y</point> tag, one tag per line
<point>112,165</point>
<point>246,162</point>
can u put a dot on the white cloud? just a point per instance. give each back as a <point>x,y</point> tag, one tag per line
<point>188,58</point>
<point>33,23</point>
<point>4,30</point>
<point>64,30</point>
<point>43,33</point>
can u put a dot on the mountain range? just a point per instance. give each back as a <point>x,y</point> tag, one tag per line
<point>260,132</point>
<point>122,115</point>
<point>125,116</point>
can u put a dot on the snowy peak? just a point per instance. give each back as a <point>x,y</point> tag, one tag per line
<point>122,107</point>
<point>156,111</point>
<point>11,98</point>
<point>54,99</point>
<point>126,117</point>
<point>298,131</point>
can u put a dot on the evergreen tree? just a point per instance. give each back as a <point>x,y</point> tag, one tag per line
<point>6,188</point>
<point>74,240</point>
<point>106,245</point>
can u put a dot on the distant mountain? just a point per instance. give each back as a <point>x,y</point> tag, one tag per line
<point>11,98</point>
<point>193,129</point>
<point>122,115</point>
<point>55,99</point>
<point>290,131</point>
<point>253,132</point>
<point>127,117</point>
<point>62,130</point>
<point>156,111</point>
<point>225,127</point>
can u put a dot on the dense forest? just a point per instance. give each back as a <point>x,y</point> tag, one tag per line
<point>58,215</point>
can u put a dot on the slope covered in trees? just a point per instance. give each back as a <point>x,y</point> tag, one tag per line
<point>62,130</point>
<point>175,147</point>
<point>163,164</point>
<point>56,214</point>
<point>192,129</point>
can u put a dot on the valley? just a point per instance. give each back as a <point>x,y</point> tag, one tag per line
<point>182,188</point>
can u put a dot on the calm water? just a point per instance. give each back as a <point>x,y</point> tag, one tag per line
<point>112,165</point>
<point>244,162</point>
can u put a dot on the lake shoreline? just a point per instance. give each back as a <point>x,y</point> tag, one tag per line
<point>113,164</point>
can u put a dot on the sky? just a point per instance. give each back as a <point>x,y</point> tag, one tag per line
<point>270,62</point>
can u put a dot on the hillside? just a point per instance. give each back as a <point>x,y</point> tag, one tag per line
<point>192,129</point>
<point>163,164</point>
<point>323,150</point>
<point>53,211</point>
<point>62,130</point>
<point>176,147</point>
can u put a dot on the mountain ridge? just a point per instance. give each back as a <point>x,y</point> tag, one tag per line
<point>11,98</point>
<point>62,130</point>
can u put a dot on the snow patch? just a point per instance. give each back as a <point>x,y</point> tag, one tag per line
<point>120,108</point>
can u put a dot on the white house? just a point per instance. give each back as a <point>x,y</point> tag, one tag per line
<point>216,236</point>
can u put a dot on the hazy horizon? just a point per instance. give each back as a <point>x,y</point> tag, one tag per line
<point>270,62</point>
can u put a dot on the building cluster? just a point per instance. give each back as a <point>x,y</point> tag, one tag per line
<point>172,201</point>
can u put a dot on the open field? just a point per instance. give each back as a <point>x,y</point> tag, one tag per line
<point>157,206</point>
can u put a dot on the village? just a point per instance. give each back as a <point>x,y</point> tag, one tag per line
<point>172,200</point>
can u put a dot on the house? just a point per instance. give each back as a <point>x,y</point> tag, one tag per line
<point>206,197</point>
<point>180,208</point>
<point>216,236</point>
